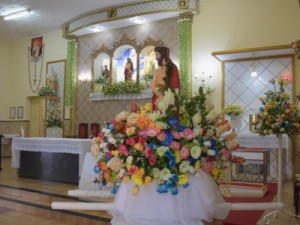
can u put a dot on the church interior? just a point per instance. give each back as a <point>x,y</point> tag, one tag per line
<point>71,67</point>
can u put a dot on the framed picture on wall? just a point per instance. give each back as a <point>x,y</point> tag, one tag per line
<point>12,112</point>
<point>20,112</point>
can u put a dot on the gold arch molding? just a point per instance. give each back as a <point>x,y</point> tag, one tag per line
<point>120,16</point>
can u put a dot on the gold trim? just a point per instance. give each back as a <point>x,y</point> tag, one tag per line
<point>67,33</point>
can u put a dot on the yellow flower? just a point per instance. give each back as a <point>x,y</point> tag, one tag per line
<point>140,172</point>
<point>197,165</point>
<point>115,153</point>
<point>183,179</point>
<point>177,155</point>
<point>261,99</point>
<point>126,178</point>
<point>270,131</point>
<point>137,179</point>
<point>148,180</point>
<point>215,173</point>
<point>135,190</point>
<point>130,131</point>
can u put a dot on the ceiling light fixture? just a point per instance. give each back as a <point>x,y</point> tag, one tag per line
<point>96,29</point>
<point>138,20</point>
<point>17,15</point>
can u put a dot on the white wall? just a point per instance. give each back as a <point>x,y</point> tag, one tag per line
<point>240,24</point>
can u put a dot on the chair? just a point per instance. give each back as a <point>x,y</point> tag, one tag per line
<point>296,192</point>
<point>83,130</point>
<point>95,127</point>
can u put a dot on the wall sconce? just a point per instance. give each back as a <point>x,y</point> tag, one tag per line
<point>83,79</point>
<point>253,67</point>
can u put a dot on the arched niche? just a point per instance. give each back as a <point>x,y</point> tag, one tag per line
<point>125,57</point>
<point>147,63</point>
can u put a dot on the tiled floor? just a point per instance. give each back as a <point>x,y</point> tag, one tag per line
<point>8,176</point>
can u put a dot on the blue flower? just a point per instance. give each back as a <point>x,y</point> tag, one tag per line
<point>153,146</point>
<point>174,177</point>
<point>115,189</point>
<point>162,188</point>
<point>174,190</point>
<point>180,128</point>
<point>169,183</point>
<point>173,121</point>
<point>96,169</point>
<point>186,185</point>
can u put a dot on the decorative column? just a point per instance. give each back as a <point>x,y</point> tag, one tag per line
<point>185,52</point>
<point>71,82</point>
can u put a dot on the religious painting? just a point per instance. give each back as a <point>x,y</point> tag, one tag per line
<point>182,4</point>
<point>20,112</point>
<point>125,66</point>
<point>111,13</point>
<point>12,112</point>
<point>36,48</point>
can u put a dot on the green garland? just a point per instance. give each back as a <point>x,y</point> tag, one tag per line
<point>184,30</point>
<point>70,72</point>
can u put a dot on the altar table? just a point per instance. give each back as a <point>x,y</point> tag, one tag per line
<point>48,146</point>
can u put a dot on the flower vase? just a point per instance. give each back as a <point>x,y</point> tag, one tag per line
<point>235,122</point>
<point>54,132</point>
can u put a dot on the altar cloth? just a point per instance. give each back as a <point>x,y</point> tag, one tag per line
<point>54,145</point>
<point>201,201</point>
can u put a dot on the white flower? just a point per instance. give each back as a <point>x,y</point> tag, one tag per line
<point>184,166</point>
<point>165,174</point>
<point>197,131</point>
<point>106,131</point>
<point>121,173</point>
<point>162,106</point>
<point>154,115</point>
<point>196,152</point>
<point>162,125</point>
<point>196,119</point>
<point>207,143</point>
<point>211,152</point>
<point>122,116</point>
<point>112,140</point>
<point>169,97</point>
<point>129,159</point>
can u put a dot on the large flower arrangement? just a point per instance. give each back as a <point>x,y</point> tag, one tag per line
<point>46,91</point>
<point>278,114</point>
<point>149,146</point>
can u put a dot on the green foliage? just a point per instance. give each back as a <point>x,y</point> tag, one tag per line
<point>233,110</point>
<point>46,91</point>
<point>127,87</point>
<point>101,80</point>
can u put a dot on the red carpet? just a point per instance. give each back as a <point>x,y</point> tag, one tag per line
<point>241,217</point>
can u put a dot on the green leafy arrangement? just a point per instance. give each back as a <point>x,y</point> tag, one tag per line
<point>54,118</point>
<point>127,87</point>
<point>47,91</point>
<point>101,80</point>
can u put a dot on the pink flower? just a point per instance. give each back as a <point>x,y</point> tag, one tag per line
<point>113,122</point>
<point>123,149</point>
<point>161,136</point>
<point>151,131</point>
<point>142,133</point>
<point>152,161</point>
<point>141,140</point>
<point>108,154</point>
<point>174,145</point>
<point>176,134</point>
<point>188,134</point>
<point>148,152</point>
<point>207,167</point>
<point>130,141</point>
<point>226,153</point>
<point>184,152</point>
<point>132,169</point>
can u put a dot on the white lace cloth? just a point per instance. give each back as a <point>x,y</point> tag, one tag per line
<point>55,145</point>
<point>199,202</point>
<point>252,140</point>
<point>100,97</point>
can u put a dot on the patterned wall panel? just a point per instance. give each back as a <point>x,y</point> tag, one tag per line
<point>242,89</point>
<point>90,112</point>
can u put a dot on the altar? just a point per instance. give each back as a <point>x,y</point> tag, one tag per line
<point>57,159</point>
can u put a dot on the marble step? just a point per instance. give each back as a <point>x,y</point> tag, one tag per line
<point>39,203</point>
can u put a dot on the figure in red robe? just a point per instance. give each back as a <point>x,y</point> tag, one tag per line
<point>161,74</point>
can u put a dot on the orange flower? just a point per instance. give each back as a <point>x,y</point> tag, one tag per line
<point>138,146</point>
<point>107,175</point>
<point>102,166</point>
<point>148,180</point>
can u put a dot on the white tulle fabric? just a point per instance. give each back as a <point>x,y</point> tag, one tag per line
<point>199,202</point>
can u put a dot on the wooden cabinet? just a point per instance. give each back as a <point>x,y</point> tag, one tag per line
<point>38,110</point>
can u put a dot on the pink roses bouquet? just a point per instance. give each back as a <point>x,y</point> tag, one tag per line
<point>145,146</point>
